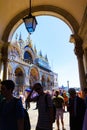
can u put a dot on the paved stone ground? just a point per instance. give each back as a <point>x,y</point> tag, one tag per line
<point>33,118</point>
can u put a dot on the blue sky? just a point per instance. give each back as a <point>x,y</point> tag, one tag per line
<point>52,38</point>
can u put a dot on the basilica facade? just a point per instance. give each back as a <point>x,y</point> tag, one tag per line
<point>26,66</point>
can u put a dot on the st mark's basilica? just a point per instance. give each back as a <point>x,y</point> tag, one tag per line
<point>27,65</point>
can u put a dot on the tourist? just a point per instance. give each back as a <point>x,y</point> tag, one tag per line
<point>76,108</point>
<point>44,116</point>
<point>11,109</point>
<point>66,98</point>
<point>85,116</point>
<point>58,101</point>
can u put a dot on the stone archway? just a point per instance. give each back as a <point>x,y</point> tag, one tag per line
<point>45,10</point>
<point>39,10</point>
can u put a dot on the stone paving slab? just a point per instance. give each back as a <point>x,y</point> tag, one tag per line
<point>34,114</point>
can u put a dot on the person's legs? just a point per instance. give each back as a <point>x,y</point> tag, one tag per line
<point>57,122</point>
<point>57,119</point>
<point>62,122</point>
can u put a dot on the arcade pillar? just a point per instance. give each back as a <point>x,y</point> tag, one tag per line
<point>78,50</point>
<point>5,60</point>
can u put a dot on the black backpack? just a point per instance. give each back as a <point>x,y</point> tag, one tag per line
<point>54,108</point>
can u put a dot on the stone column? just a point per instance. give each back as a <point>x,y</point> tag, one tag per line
<point>85,58</point>
<point>1,68</point>
<point>5,59</point>
<point>85,61</point>
<point>79,53</point>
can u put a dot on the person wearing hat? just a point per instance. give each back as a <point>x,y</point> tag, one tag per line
<point>11,109</point>
<point>44,121</point>
<point>76,108</point>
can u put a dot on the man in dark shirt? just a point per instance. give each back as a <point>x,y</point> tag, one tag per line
<point>76,108</point>
<point>44,115</point>
<point>11,112</point>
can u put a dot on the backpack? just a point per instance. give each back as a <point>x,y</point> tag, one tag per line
<point>27,125</point>
<point>58,101</point>
<point>54,108</point>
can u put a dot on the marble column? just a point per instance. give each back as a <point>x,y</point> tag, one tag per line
<point>85,58</point>
<point>85,61</point>
<point>1,67</point>
<point>5,59</point>
<point>79,53</point>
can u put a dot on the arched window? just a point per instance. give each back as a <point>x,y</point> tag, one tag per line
<point>28,57</point>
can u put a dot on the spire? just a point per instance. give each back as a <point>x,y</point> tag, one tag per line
<point>35,50</point>
<point>46,57</point>
<point>40,53</point>
<point>20,37</point>
<point>28,39</point>
<point>20,41</point>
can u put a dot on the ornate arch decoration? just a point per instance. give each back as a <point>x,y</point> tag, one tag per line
<point>40,10</point>
<point>34,72</point>
<point>19,73</point>
<point>28,57</point>
<point>34,75</point>
<point>13,51</point>
<point>21,68</point>
<point>27,49</point>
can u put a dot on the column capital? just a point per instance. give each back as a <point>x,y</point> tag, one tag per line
<point>78,50</point>
<point>75,38</point>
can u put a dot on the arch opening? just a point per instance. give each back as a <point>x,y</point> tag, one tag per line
<point>37,11</point>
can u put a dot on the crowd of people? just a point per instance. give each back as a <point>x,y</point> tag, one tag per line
<point>12,112</point>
